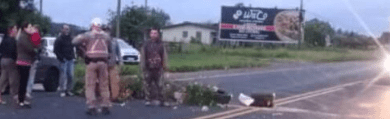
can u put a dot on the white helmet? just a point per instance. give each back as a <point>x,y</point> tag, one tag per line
<point>96,22</point>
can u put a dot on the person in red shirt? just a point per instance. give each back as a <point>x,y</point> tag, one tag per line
<point>36,40</point>
<point>36,37</point>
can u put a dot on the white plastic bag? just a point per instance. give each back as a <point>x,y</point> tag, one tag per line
<point>246,100</point>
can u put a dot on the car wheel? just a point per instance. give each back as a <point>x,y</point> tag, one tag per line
<point>6,91</point>
<point>51,81</point>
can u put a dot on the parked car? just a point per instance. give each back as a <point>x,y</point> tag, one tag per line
<point>48,43</point>
<point>1,39</point>
<point>48,67</point>
<point>128,53</point>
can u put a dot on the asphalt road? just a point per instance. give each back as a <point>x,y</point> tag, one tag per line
<point>51,106</point>
<point>292,80</point>
<point>289,81</point>
<point>334,100</point>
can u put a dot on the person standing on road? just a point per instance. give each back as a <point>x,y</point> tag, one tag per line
<point>36,37</point>
<point>9,72</point>
<point>26,51</point>
<point>153,63</point>
<point>64,50</point>
<point>113,69</point>
<point>97,44</point>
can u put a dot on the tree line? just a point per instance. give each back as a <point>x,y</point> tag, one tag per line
<point>317,32</point>
<point>14,12</point>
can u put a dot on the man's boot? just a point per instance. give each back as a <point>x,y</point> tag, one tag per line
<point>92,111</point>
<point>105,111</point>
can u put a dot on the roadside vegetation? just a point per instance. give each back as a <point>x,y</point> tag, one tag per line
<point>196,57</point>
<point>321,44</point>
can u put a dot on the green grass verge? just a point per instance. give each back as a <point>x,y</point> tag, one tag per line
<point>196,57</point>
<point>125,70</point>
<point>206,61</point>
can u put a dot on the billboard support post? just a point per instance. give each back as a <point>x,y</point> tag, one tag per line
<point>301,29</point>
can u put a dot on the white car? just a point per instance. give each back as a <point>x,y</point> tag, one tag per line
<point>1,37</point>
<point>48,44</point>
<point>128,53</point>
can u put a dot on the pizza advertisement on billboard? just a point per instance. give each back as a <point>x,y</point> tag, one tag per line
<point>259,25</point>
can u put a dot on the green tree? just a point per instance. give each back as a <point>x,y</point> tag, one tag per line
<point>339,31</point>
<point>134,20</point>
<point>12,13</point>
<point>239,5</point>
<point>316,32</point>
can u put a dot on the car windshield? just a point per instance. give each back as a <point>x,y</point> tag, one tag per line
<point>51,42</point>
<point>123,44</point>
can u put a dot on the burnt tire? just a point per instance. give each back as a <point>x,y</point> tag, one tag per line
<point>51,81</point>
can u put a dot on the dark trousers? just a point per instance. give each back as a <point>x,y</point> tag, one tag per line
<point>154,85</point>
<point>24,72</point>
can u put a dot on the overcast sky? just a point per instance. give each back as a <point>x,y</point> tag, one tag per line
<point>375,13</point>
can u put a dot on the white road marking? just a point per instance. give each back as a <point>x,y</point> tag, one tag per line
<point>240,113</point>
<point>319,91</point>
<point>309,96</point>
<point>295,98</point>
<point>223,113</point>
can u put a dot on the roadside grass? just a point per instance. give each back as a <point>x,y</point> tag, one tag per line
<point>125,70</point>
<point>195,57</point>
<point>208,61</point>
<point>307,54</point>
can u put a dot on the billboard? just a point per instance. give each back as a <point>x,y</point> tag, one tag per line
<point>259,25</point>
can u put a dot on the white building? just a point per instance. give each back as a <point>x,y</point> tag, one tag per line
<point>184,31</point>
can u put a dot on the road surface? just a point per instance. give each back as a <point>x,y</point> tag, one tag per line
<point>350,90</point>
<point>303,91</point>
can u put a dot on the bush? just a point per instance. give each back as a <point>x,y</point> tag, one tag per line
<point>129,70</point>
<point>135,84</point>
<point>79,70</point>
<point>78,88</point>
<point>131,87</point>
<point>198,95</point>
<point>195,40</point>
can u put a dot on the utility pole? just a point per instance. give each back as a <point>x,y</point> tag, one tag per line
<point>40,6</point>
<point>146,5</point>
<point>146,13</point>
<point>301,30</point>
<point>118,14</point>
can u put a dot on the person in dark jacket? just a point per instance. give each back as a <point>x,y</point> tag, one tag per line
<point>64,49</point>
<point>8,66</point>
<point>153,63</point>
